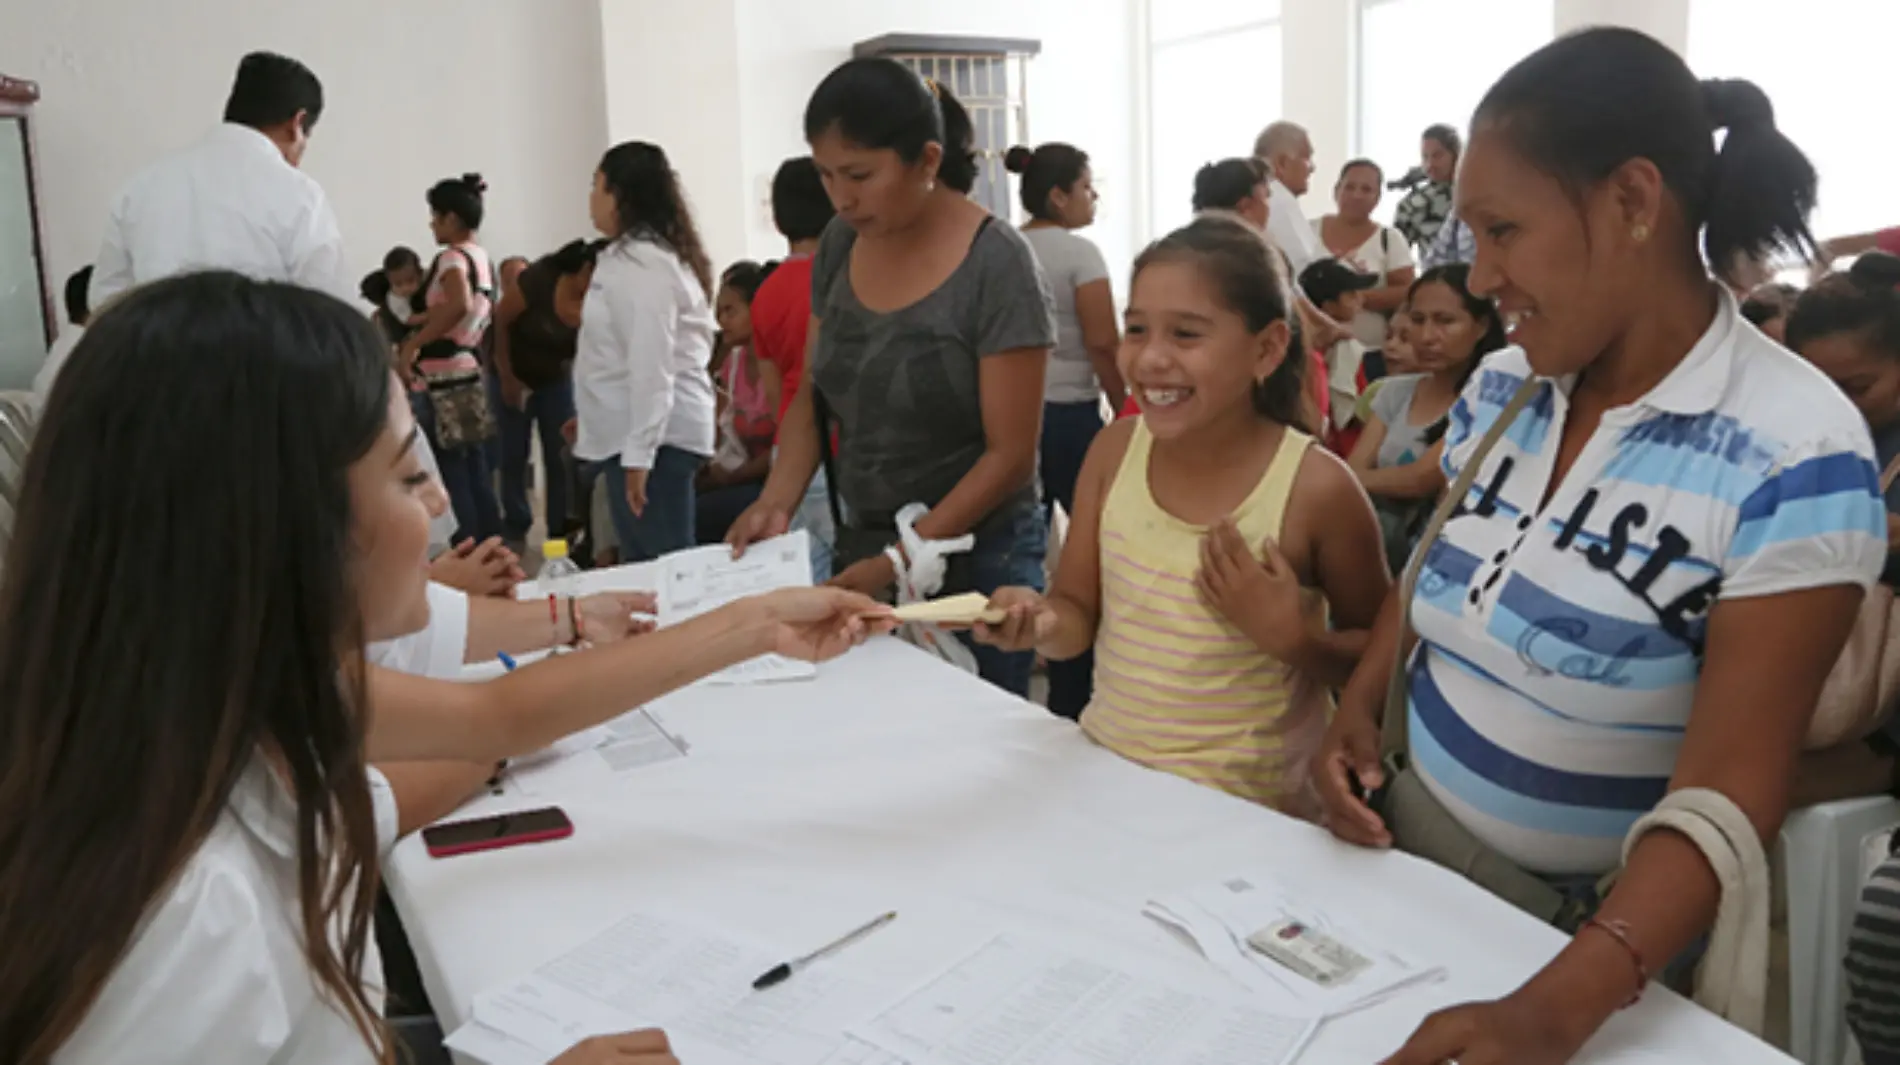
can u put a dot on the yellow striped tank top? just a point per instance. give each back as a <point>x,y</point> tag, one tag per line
<point>1177,686</point>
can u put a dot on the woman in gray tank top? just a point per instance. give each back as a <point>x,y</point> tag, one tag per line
<point>932,326</point>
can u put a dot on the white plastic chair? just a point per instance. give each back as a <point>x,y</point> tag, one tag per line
<point>1821,852</point>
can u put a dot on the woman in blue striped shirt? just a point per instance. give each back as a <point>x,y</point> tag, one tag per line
<point>1657,564</point>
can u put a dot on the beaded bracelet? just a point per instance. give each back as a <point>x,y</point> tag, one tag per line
<point>1620,931</point>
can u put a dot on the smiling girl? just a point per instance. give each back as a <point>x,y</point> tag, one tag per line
<point>1205,535</point>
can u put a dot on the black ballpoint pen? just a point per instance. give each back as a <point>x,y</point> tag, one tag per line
<point>782,972</point>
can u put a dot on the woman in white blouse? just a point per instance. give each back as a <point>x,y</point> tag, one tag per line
<point>1355,238</point>
<point>189,828</point>
<point>642,393</point>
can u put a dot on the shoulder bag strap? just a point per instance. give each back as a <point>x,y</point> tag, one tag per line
<point>821,413</point>
<point>1392,731</point>
<point>1888,475</point>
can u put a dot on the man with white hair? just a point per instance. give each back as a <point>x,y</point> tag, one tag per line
<point>1287,152</point>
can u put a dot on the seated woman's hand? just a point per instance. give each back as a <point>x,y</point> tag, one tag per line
<point>1030,621</point>
<point>488,568</point>
<point>609,616</point>
<point>1351,750</point>
<point>648,1047</point>
<point>817,624</point>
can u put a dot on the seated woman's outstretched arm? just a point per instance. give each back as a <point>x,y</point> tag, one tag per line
<point>416,718</point>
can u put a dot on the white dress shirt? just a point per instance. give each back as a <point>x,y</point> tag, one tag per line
<point>216,972</point>
<point>228,202</point>
<point>640,377</point>
<point>1288,228</point>
<point>438,649</point>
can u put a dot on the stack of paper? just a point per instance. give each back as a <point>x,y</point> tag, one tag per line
<point>1311,959</point>
<point>691,980</point>
<point>1016,1002</point>
<point>706,578</point>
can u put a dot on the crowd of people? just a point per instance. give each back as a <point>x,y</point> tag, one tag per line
<point>1627,499</point>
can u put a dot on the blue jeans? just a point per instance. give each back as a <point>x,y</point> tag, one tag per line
<point>1011,555</point>
<point>1010,547</point>
<point>720,507</point>
<point>667,524</point>
<point>546,410</point>
<point>465,478</point>
<point>1067,431</point>
<point>814,516</point>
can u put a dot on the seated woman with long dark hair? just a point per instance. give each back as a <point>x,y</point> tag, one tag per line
<point>190,829</point>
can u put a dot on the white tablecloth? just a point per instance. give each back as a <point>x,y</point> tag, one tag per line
<point>893,781</point>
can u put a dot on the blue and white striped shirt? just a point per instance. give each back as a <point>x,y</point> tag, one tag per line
<point>1560,646</point>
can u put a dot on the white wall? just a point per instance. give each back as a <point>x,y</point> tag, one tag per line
<point>673,78</point>
<point>415,91</point>
<point>1665,20</point>
<point>1082,89</point>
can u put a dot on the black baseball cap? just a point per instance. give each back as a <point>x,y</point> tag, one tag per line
<point>1325,280</point>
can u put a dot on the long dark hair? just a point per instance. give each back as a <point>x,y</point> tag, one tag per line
<point>220,580</point>
<point>647,196</point>
<point>1249,280</point>
<point>1587,103</point>
<point>880,103</point>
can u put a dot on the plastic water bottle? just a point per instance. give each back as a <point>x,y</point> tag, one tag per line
<point>559,575</point>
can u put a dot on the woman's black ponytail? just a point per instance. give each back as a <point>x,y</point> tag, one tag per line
<point>1591,101</point>
<point>958,169</point>
<point>1761,189</point>
<point>876,102</point>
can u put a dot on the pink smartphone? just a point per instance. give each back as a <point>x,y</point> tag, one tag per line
<point>490,833</point>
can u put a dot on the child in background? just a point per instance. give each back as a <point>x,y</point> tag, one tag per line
<point>1397,359</point>
<point>1206,533</point>
<point>747,394</point>
<point>1340,291</point>
<point>392,290</point>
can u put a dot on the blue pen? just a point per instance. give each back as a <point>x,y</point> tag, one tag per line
<point>494,782</point>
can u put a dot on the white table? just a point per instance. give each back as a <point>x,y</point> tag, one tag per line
<point>893,781</point>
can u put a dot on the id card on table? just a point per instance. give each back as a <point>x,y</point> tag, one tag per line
<point>1309,953</point>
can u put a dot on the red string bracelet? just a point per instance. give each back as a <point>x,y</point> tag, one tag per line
<point>1620,931</point>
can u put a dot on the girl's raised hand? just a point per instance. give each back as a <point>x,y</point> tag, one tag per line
<point>1260,595</point>
<point>1030,620</point>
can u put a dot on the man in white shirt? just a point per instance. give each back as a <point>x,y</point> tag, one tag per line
<point>1286,150</point>
<point>1288,153</point>
<point>235,200</point>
